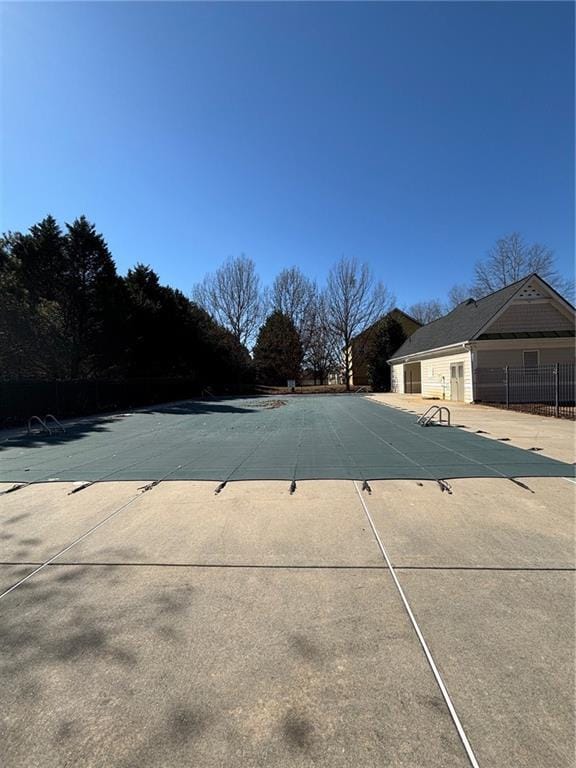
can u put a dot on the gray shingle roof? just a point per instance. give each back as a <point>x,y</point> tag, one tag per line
<point>459,325</point>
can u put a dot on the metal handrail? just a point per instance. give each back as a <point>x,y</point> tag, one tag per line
<point>426,412</point>
<point>59,426</point>
<point>43,426</point>
<point>441,410</point>
<point>435,410</point>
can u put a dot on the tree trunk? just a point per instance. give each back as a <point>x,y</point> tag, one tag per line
<point>347,365</point>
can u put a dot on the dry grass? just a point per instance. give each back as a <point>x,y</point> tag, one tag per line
<point>268,404</point>
<point>328,389</point>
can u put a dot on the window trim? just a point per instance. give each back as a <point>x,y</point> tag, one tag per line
<point>524,351</point>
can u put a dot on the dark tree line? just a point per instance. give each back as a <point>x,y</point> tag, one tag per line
<point>65,313</point>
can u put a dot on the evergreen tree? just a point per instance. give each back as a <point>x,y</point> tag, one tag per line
<point>93,302</point>
<point>171,336</point>
<point>32,334</point>
<point>278,351</point>
<point>387,338</point>
<point>144,328</point>
<point>65,313</point>
<point>224,364</point>
<point>42,260</point>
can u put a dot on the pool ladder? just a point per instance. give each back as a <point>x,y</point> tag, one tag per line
<point>428,416</point>
<point>56,426</point>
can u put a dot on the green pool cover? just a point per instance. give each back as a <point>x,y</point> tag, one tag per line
<point>324,437</point>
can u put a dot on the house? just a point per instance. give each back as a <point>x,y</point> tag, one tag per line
<point>525,324</point>
<point>360,344</point>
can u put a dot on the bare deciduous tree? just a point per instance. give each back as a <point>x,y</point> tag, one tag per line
<point>511,259</point>
<point>426,311</point>
<point>233,297</point>
<point>457,294</point>
<point>321,353</point>
<point>354,301</point>
<point>293,294</point>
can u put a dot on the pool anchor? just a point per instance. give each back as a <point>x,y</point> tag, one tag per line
<point>81,487</point>
<point>445,487</point>
<point>15,487</point>
<point>148,486</point>
<point>521,485</point>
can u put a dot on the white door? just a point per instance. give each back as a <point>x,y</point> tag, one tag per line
<point>456,381</point>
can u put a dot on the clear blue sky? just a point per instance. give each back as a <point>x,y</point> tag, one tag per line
<point>409,135</point>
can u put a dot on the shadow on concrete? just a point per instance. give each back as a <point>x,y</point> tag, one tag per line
<point>76,651</point>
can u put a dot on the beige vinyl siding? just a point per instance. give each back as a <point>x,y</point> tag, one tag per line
<point>397,378</point>
<point>530,316</point>
<point>499,358</point>
<point>436,376</point>
<point>554,355</point>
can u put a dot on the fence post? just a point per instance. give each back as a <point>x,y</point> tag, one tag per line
<point>557,390</point>
<point>507,388</point>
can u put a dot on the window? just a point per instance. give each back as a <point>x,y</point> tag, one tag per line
<point>531,358</point>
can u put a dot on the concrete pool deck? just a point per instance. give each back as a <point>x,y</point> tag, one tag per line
<point>258,627</point>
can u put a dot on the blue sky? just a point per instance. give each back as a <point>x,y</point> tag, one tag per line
<point>409,135</point>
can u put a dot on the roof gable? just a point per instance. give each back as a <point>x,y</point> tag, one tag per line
<point>472,317</point>
<point>399,315</point>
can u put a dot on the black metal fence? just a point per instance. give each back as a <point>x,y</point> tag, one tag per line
<point>549,390</point>
<point>21,399</point>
